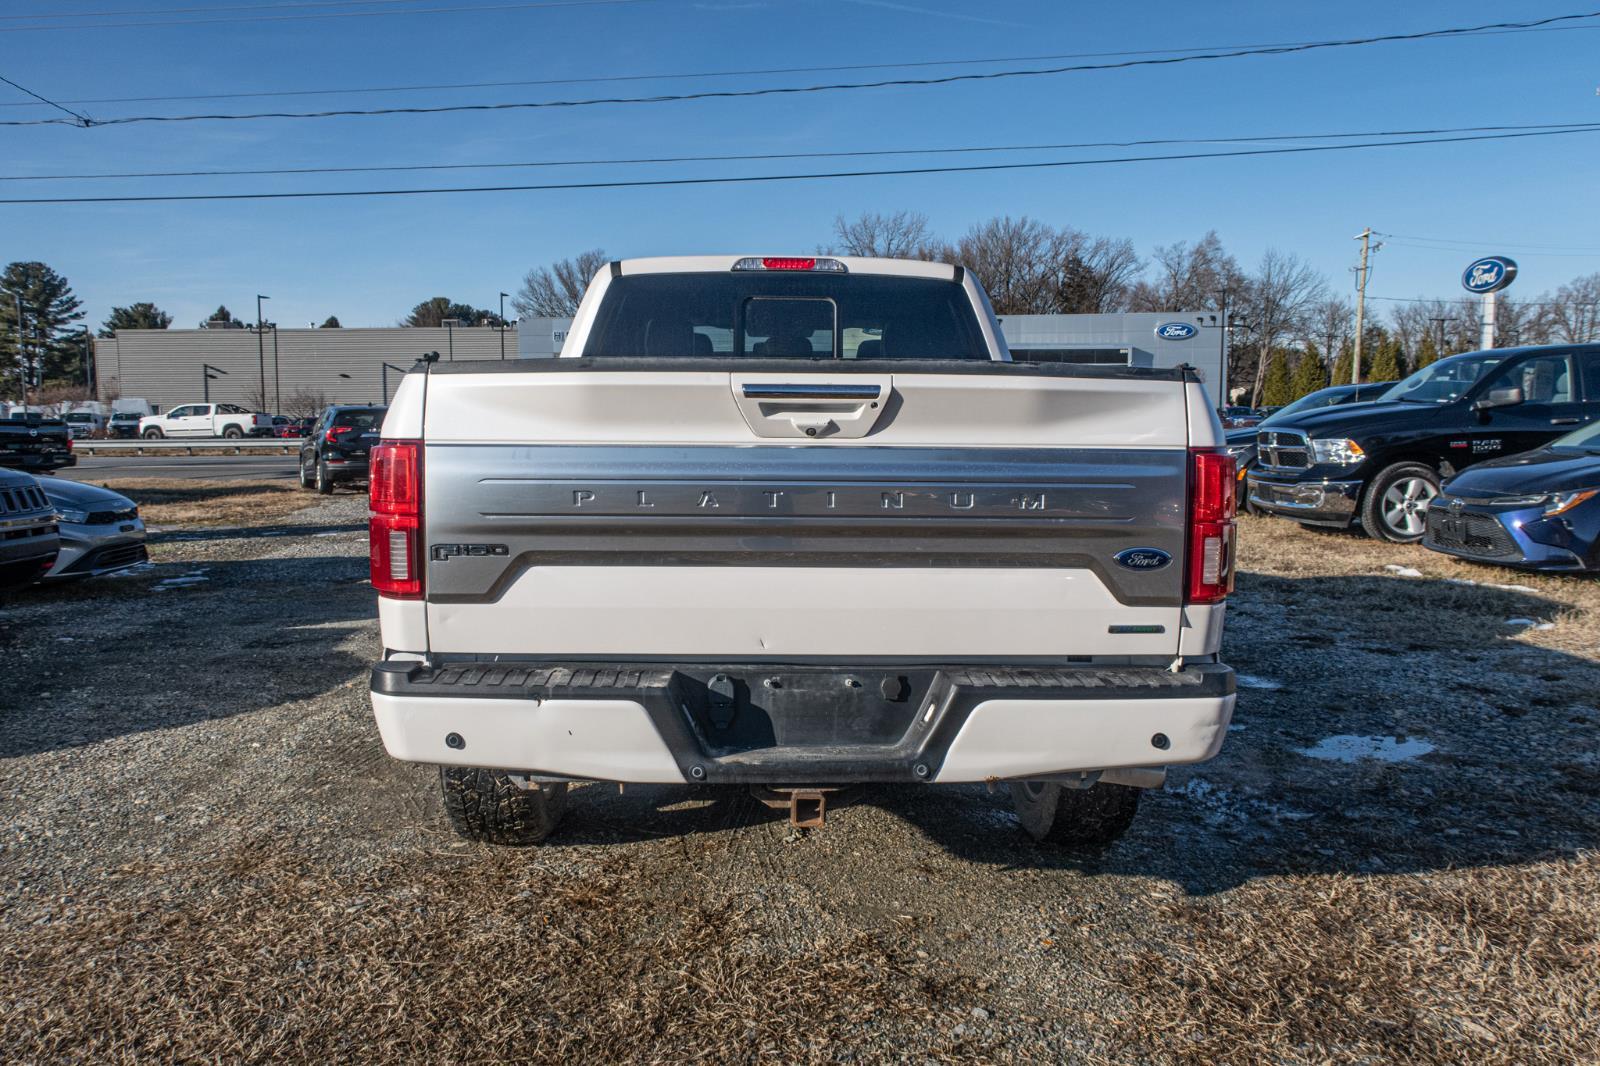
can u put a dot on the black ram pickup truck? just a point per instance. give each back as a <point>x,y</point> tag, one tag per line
<point>1379,464</point>
<point>30,442</point>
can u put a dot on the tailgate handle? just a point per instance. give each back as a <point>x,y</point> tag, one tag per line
<point>784,391</point>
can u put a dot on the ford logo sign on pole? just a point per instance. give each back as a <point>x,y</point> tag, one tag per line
<point>1175,331</point>
<point>1486,277</point>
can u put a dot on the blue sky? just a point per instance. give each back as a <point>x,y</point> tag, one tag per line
<point>369,260</point>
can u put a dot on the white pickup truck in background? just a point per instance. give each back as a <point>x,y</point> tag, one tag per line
<point>795,524</point>
<point>206,420</point>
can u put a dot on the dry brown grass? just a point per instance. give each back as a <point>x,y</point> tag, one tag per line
<point>170,502</point>
<point>1489,965</point>
<point>446,960</point>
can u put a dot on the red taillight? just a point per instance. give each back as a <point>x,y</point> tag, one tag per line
<point>335,432</point>
<point>1211,525</point>
<point>788,263</point>
<point>394,492</point>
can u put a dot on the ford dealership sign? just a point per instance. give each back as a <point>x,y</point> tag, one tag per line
<point>1489,274</point>
<point>1180,331</point>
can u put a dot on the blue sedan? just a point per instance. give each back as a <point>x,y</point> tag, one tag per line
<point>1539,509</point>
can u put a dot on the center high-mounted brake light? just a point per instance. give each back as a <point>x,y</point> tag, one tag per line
<point>1211,525</point>
<point>775,262</point>
<point>394,492</point>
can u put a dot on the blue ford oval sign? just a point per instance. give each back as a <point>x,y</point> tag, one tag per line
<point>1142,558</point>
<point>1175,331</point>
<point>1489,274</point>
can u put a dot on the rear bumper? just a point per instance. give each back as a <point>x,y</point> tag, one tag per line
<point>1318,502</point>
<point>342,467</point>
<point>796,725</point>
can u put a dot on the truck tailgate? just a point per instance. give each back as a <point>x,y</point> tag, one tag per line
<point>785,512</point>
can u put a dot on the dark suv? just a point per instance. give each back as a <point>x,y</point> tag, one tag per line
<point>1381,463</point>
<point>337,444</point>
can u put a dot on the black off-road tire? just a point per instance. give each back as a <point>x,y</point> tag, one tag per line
<point>1093,817</point>
<point>324,479</point>
<point>232,432</point>
<point>153,433</point>
<point>487,806</point>
<point>1374,508</point>
<point>306,478</point>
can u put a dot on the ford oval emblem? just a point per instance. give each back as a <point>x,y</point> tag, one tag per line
<point>1175,331</point>
<point>1142,558</point>
<point>1489,274</point>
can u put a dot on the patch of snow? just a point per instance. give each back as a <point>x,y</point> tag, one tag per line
<point>1530,623</point>
<point>1463,581</point>
<point>1512,588</point>
<point>1236,727</point>
<point>1402,571</point>
<point>1252,681</point>
<point>1221,806</point>
<point>335,533</point>
<point>1348,748</point>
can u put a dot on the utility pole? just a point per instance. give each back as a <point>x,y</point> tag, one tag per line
<point>1365,237</point>
<point>22,352</point>
<point>1440,323</point>
<point>1227,337</point>
<point>88,364</point>
<point>503,324</point>
<point>261,349</point>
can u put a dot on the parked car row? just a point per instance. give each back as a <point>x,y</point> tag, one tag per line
<point>1522,419</point>
<point>51,529</point>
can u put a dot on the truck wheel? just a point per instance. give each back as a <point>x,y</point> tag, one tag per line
<point>324,479</point>
<point>1075,817</point>
<point>487,806</point>
<point>153,433</point>
<point>1395,507</point>
<point>232,432</point>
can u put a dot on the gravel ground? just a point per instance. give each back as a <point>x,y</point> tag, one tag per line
<point>206,854</point>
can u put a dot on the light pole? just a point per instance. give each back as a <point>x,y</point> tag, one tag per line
<point>450,325</point>
<point>384,369</point>
<point>208,374</point>
<point>277,378</point>
<point>88,364</point>
<point>503,324</point>
<point>261,350</point>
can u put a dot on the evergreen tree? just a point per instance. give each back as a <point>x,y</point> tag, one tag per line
<point>135,316</point>
<point>222,318</point>
<point>1341,366</point>
<point>1275,390</point>
<point>332,323</point>
<point>1427,352</point>
<point>433,313</point>
<point>1385,364</point>
<point>1309,373</point>
<point>52,346</point>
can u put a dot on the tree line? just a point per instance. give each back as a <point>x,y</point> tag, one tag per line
<point>1290,334</point>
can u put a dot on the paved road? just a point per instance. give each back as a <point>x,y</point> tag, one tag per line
<point>183,467</point>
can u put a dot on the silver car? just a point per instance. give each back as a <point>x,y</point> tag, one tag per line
<point>101,531</point>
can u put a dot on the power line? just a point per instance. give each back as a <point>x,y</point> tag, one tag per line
<point>1480,242</point>
<point>329,15</point>
<point>694,75</point>
<point>947,79</point>
<point>765,178</point>
<point>768,156</point>
<point>199,10</point>
<point>81,120</point>
<point>1475,249</point>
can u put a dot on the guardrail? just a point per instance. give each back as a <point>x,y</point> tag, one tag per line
<point>242,446</point>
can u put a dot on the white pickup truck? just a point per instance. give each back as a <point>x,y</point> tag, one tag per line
<point>206,420</point>
<point>795,524</point>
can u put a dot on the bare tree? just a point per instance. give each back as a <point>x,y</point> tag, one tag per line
<point>1014,259</point>
<point>1572,315</point>
<point>1188,277</point>
<point>902,235</point>
<point>1090,275</point>
<point>554,291</point>
<point>1278,304</point>
<point>304,403</point>
<point>1332,326</point>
